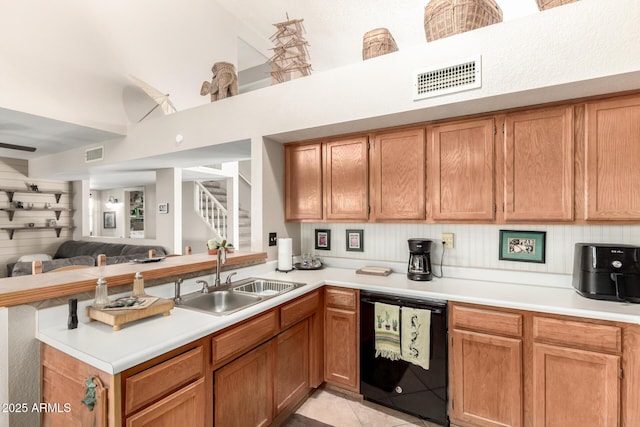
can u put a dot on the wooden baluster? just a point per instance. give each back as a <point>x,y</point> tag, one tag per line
<point>36,267</point>
<point>101,260</point>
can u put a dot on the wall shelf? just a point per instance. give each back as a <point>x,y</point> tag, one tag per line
<point>11,191</point>
<point>57,228</point>
<point>56,210</point>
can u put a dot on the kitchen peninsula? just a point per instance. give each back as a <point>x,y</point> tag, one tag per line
<point>28,289</point>
<point>538,318</point>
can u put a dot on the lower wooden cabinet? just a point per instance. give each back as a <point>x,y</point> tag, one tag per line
<point>243,390</point>
<point>185,407</point>
<point>520,368</point>
<point>63,381</point>
<point>486,382</point>
<point>292,365</point>
<point>342,349</point>
<point>260,386</point>
<point>574,387</point>
<point>487,379</point>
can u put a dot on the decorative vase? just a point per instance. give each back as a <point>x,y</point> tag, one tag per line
<point>444,18</point>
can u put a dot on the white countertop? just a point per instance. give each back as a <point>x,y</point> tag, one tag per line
<point>115,351</point>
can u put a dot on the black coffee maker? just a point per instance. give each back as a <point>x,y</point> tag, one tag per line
<point>419,260</point>
<point>607,272</point>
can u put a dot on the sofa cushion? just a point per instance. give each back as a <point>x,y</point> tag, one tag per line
<point>34,257</point>
<point>25,268</point>
<point>72,248</point>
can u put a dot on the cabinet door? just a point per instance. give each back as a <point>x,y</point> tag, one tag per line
<point>460,166</point>
<point>346,179</point>
<point>303,182</point>
<point>538,166</point>
<point>292,365</point>
<point>243,390</point>
<point>575,388</point>
<point>486,379</point>
<point>612,158</point>
<point>186,407</point>
<point>341,348</point>
<point>398,175</point>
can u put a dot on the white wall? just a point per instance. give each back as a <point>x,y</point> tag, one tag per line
<point>169,225</point>
<point>4,363</point>
<point>23,364</point>
<point>475,245</point>
<point>580,49</point>
<point>60,58</point>
<point>271,188</point>
<point>13,174</point>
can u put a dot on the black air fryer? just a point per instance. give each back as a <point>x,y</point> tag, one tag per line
<point>607,272</point>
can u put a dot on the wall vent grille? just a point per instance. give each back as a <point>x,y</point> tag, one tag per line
<point>93,154</point>
<point>446,79</point>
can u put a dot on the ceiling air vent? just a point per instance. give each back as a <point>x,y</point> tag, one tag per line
<point>93,154</point>
<point>445,79</point>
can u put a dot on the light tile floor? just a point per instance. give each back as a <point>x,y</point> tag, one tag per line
<point>336,409</point>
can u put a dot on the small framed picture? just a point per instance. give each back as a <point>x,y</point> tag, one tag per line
<point>524,246</point>
<point>355,240</point>
<point>50,223</point>
<point>323,239</point>
<point>163,208</point>
<point>109,219</point>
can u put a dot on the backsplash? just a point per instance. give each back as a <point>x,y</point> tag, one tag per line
<point>475,245</point>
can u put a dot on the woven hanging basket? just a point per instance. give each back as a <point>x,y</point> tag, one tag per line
<point>444,18</point>
<point>548,4</point>
<point>377,42</point>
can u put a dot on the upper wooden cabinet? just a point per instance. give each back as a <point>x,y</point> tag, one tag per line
<point>537,179</point>
<point>397,173</point>
<point>576,162</point>
<point>612,157</point>
<point>346,179</point>
<point>460,165</point>
<point>303,182</point>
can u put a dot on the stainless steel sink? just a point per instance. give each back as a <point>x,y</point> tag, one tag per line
<point>265,287</point>
<point>220,302</point>
<point>227,299</point>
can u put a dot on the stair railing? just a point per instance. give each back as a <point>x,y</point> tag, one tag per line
<point>210,210</point>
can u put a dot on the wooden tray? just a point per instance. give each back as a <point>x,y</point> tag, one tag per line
<point>374,271</point>
<point>117,318</point>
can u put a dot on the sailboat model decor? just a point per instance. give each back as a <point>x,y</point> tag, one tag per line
<point>290,55</point>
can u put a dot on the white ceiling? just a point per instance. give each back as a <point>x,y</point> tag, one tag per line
<point>165,44</point>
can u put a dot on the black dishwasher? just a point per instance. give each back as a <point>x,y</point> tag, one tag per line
<point>399,384</point>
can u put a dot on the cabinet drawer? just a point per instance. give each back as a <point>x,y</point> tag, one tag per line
<point>588,336</point>
<point>245,336</point>
<point>342,298</point>
<point>162,379</point>
<point>299,309</point>
<point>491,321</point>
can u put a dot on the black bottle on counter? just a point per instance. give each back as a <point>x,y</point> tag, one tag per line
<point>72,321</point>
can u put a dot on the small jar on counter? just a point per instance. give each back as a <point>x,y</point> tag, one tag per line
<point>102,294</point>
<point>138,286</point>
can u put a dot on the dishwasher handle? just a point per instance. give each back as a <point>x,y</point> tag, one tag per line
<point>401,303</point>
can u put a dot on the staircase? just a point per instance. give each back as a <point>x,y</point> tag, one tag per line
<point>211,205</point>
